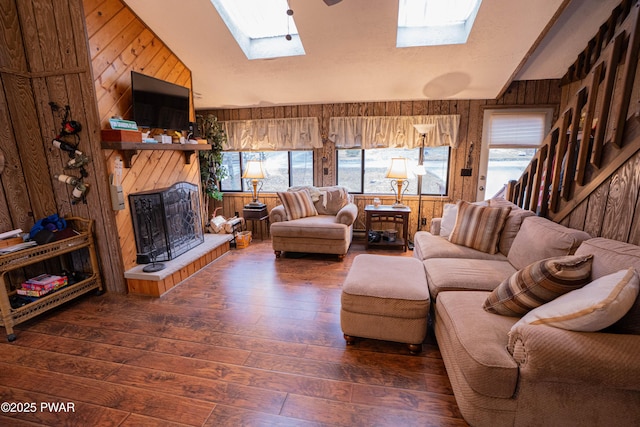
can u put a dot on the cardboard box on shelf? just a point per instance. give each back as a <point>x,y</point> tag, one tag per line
<point>121,135</point>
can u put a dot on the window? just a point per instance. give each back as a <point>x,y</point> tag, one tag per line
<point>282,169</point>
<point>435,22</point>
<point>363,171</point>
<point>261,27</point>
<point>510,140</point>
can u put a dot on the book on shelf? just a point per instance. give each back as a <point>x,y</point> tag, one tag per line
<point>9,234</point>
<point>42,283</point>
<point>32,292</point>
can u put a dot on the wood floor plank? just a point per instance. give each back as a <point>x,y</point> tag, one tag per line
<point>129,399</point>
<point>248,340</point>
<point>79,413</point>
<point>263,400</point>
<point>56,362</point>
<point>116,339</point>
<point>430,403</point>
<point>243,375</point>
<point>348,414</point>
<point>230,416</point>
<point>380,375</point>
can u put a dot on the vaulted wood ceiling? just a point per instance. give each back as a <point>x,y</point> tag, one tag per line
<point>351,54</point>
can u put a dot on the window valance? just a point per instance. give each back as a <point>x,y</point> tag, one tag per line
<point>273,134</point>
<point>393,131</point>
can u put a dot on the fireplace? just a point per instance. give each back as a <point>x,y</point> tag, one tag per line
<point>166,222</point>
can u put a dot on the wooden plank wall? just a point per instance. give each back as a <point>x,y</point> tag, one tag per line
<point>119,42</point>
<point>43,59</point>
<point>520,93</point>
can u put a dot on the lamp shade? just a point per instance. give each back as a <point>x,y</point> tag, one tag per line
<point>419,170</point>
<point>253,170</point>
<point>397,169</point>
<point>424,128</point>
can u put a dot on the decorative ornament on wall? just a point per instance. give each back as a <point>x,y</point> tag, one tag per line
<point>69,129</point>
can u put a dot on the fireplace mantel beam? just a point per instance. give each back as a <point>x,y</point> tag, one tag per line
<point>129,149</point>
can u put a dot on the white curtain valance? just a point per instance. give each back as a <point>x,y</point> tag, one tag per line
<point>273,134</point>
<point>393,131</point>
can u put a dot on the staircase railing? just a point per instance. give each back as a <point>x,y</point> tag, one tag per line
<point>593,135</point>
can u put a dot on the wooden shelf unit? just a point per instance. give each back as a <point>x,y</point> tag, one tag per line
<point>13,316</point>
<point>388,214</point>
<point>129,149</point>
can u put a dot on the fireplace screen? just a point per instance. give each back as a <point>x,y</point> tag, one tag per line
<point>166,222</point>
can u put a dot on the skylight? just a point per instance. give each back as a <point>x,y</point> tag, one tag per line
<point>261,27</point>
<point>435,22</point>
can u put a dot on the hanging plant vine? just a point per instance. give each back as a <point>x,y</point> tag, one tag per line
<point>211,170</point>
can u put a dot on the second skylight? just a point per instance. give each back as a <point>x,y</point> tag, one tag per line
<point>435,22</point>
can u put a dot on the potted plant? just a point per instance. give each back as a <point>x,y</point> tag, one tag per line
<point>211,169</point>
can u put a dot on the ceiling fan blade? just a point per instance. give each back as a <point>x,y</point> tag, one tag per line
<point>331,2</point>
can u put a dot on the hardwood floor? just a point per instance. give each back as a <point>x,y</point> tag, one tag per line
<point>249,340</point>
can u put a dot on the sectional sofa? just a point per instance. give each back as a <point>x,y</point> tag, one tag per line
<point>523,327</point>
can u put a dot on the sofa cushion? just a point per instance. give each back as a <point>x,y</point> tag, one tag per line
<point>540,238</point>
<point>331,200</point>
<point>322,227</point>
<point>610,256</point>
<point>448,221</point>
<point>298,204</point>
<point>479,227</point>
<point>450,274</point>
<point>386,286</point>
<point>512,224</point>
<point>591,308</point>
<point>478,342</point>
<point>539,283</point>
<point>427,246</point>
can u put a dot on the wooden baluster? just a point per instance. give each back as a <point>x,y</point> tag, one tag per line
<point>541,157</point>
<point>628,75</point>
<point>558,166</point>
<point>570,163</point>
<point>524,183</point>
<point>551,156</point>
<point>605,102</point>
<point>585,145</point>
<point>531,188</point>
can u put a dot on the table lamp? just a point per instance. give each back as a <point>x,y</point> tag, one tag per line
<point>254,172</point>
<point>398,172</point>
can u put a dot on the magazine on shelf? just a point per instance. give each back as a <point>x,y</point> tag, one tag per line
<point>18,247</point>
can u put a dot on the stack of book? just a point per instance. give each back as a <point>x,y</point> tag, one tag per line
<point>42,285</point>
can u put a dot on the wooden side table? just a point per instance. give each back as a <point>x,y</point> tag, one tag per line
<point>259,215</point>
<point>388,214</point>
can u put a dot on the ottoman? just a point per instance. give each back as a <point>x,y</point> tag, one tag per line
<point>385,298</point>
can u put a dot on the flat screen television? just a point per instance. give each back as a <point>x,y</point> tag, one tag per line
<point>158,104</point>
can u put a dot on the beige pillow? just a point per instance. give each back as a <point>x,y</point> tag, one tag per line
<point>297,204</point>
<point>478,227</point>
<point>449,213</point>
<point>540,238</point>
<point>331,200</point>
<point>591,308</point>
<point>539,283</point>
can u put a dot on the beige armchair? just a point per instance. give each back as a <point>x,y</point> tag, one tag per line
<point>328,230</point>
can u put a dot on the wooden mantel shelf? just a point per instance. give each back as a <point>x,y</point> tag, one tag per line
<point>130,149</point>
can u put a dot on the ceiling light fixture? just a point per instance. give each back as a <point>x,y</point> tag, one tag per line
<point>289,15</point>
